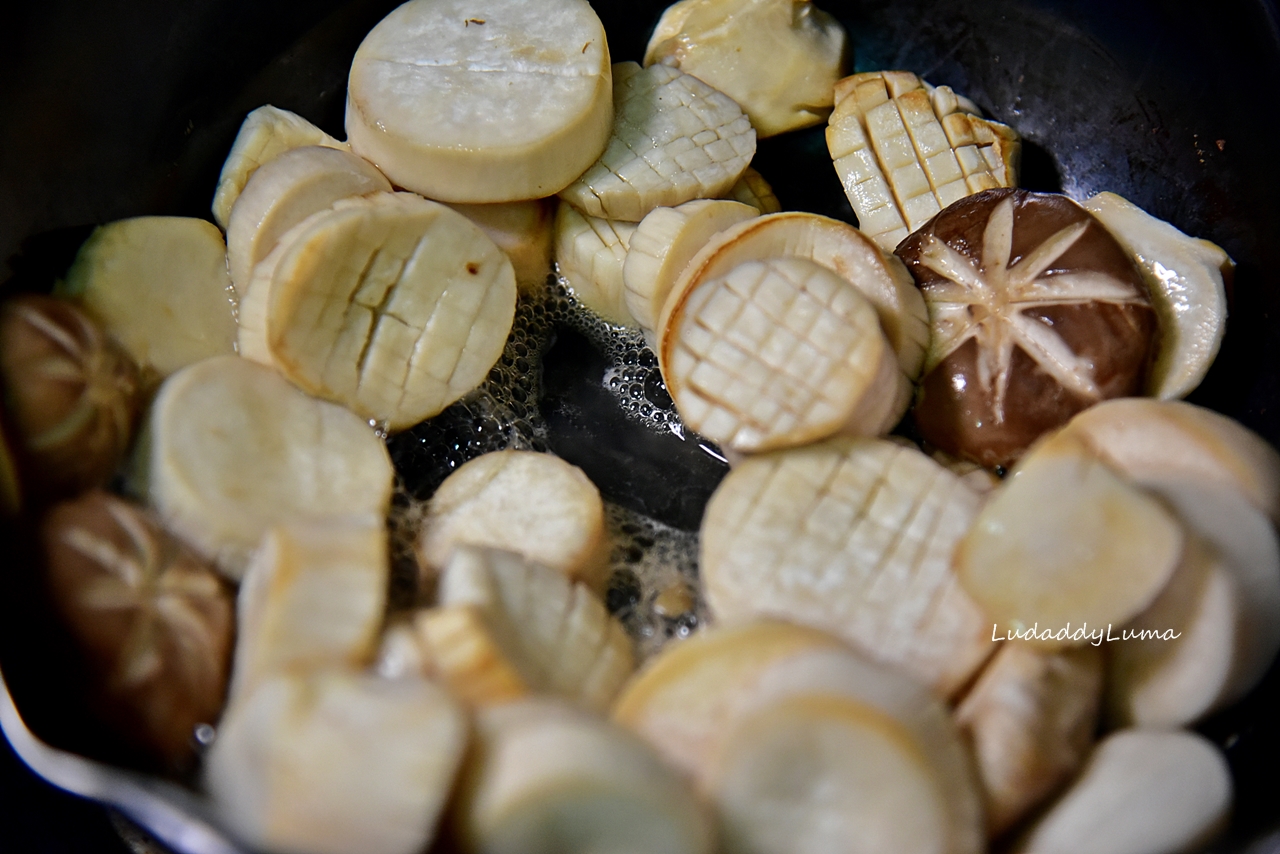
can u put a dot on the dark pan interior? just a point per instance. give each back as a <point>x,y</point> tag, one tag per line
<point>111,109</point>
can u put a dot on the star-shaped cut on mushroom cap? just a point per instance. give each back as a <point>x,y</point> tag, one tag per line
<point>162,596</point>
<point>987,301</point>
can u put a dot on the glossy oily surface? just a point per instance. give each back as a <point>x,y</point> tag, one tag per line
<point>119,109</point>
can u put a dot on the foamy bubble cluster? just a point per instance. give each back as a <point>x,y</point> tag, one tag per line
<point>653,582</point>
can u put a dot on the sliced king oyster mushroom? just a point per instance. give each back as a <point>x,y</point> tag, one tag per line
<point>680,698</point>
<point>1065,547</point>
<point>507,627</point>
<point>1215,629</point>
<point>866,786</point>
<point>284,192</point>
<point>159,286</point>
<point>697,701</point>
<point>1030,719</point>
<point>531,503</point>
<point>905,150</point>
<point>778,353</point>
<point>1147,440</point>
<point>482,100</point>
<point>265,133</point>
<point>590,253</point>
<point>835,245</point>
<point>524,231</point>
<point>547,777</point>
<point>330,762</point>
<point>1036,314</point>
<point>661,247</point>
<point>1188,281</point>
<point>777,58</point>
<point>390,304</point>
<point>234,449</point>
<point>1141,791</point>
<point>674,139</point>
<point>752,189</point>
<point>854,536</point>
<point>312,598</point>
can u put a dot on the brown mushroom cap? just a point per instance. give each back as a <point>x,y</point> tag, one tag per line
<point>1036,313</point>
<point>71,395</point>
<point>152,620</point>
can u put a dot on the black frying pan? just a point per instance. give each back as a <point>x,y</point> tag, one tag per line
<point>111,109</point>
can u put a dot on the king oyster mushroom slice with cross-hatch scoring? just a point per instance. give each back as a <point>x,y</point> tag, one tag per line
<point>717,707</point>
<point>854,536</point>
<point>778,353</point>
<point>674,139</point>
<point>752,189</point>
<point>232,448</point>
<point>1036,313</point>
<point>390,304</point>
<point>547,777</point>
<point>905,150</point>
<point>1187,279</point>
<point>836,245</point>
<point>661,247</point>
<point>777,58</point>
<point>312,597</point>
<point>1065,547</point>
<point>265,133</point>
<point>1030,719</point>
<point>482,100</point>
<point>507,627</point>
<point>284,192</point>
<point>590,253</point>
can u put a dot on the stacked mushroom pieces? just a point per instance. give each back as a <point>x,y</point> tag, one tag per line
<point>787,328</point>
<point>674,140</point>
<point>905,150</point>
<point>1174,565</point>
<point>804,746</point>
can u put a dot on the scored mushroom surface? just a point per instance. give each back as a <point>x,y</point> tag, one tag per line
<point>854,536</point>
<point>674,139</point>
<point>1036,313</point>
<point>904,150</point>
